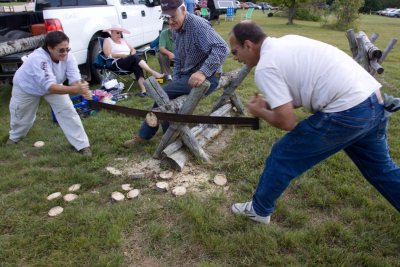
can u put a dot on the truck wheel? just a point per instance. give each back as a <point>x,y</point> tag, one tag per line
<point>94,50</point>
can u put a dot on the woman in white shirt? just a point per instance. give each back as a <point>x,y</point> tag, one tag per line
<point>42,75</point>
<point>125,56</point>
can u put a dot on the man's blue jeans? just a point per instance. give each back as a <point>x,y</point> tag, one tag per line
<point>360,131</point>
<point>174,89</point>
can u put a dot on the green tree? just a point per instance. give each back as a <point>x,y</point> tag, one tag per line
<point>390,3</point>
<point>346,13</point>
<point>371,5</point>
<point>292,5</point>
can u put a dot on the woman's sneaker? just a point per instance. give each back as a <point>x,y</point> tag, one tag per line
<point>247,209</point>
<point>87,152</point>
<point>11,142</point>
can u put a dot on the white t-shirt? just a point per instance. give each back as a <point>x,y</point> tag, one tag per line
<point>121,48</point>
<point>39,72</point>
<point>312,74</point>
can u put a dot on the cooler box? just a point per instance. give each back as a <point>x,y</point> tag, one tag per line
<point>81,105</point>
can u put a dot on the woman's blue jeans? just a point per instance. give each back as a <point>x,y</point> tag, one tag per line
<point>174,89</point>
<point>359,131</point>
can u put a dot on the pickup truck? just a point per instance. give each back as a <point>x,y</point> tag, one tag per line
<point>83,21</point>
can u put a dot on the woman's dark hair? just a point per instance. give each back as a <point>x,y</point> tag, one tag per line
<point>54,38</point>
<point>248,30</point>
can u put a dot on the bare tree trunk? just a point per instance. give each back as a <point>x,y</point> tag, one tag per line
<point>291,13</point>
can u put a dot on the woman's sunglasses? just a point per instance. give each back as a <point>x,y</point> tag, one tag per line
<point>63,50</point>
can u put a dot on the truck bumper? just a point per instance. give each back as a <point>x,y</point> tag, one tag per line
<point>9,64</point>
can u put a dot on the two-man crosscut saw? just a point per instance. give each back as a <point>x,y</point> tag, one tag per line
<point>239,121</point>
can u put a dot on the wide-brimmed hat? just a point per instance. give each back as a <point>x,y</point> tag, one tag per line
<point>116,27</point>
<point>169,7</point>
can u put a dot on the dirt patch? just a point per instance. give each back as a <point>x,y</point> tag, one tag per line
<point>217,146</point>
<point>196,178</point>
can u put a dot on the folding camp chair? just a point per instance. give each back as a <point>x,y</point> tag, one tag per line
<point>248,14</point>
<point>204,13</point>
<point>230,13</point>
<point>103,64</point>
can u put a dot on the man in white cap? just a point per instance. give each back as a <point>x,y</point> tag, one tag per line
<point>199,55</point>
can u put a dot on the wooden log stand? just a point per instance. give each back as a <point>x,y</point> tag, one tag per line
<point>366,53</point>
<point>179,135</point>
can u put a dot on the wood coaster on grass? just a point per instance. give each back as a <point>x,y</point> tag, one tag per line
<point>54,195</point>
<point>55,211</point>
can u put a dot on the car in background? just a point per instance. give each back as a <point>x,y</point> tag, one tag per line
<point>255,6</point>
<point>267,6</point>
<point>385,11</point>
<point>394,13</point>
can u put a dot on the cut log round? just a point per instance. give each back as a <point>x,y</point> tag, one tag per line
<point>54,196</point>
<point>166,175</point>
<point>70,197</point>
<point>38,144</point>
<point>133,193</point>
<point>151,119</point>
<point>74,187</point>
<point>117,196</point>
<point>113,171</point>
<point>126,187</point>
<point>55,211</point>
<point>179,191</point>
<point>162,186</point>
<point>220,179</point>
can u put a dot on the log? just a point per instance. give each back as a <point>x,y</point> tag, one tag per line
<point>237,103</point>
<point>372,51</point>
<point>375,67</point>
<point>375,64</point>
<point>352,42</point>
<point>228,91</point>
<point>227,78</point>
<point>362,56</point>
<point>174,156</point>
<point>24,44</point>
<point>172,106</point>
<point>174,129</point>
<point>156,91</point>
<point>374,37</point>
<point>171,148</point>
<point>192,144</point>
<point>388,48</point>
<point>176,160</point>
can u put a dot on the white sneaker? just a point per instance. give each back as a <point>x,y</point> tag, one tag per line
<point>247,209</point>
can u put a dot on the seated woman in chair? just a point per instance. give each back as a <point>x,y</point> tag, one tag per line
<point>125,56</point>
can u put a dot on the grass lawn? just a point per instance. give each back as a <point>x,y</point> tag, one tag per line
<point>329,216</point>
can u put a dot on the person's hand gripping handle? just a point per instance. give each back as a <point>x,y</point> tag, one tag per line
<point>84,88</point>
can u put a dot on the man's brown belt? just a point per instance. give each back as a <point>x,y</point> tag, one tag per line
<point>183,118</point>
